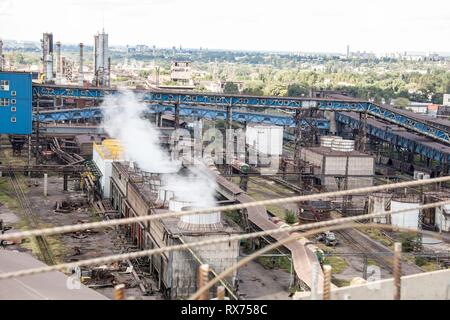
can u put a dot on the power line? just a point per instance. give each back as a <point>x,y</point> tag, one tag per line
<point>117,222</point>
<point>143,253</point>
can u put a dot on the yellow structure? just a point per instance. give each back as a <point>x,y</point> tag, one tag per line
<point>110,149</point>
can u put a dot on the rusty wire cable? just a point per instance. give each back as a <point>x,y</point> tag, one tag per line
<point>117,222</point>
<point>132,255</point>
<point>294,237</point>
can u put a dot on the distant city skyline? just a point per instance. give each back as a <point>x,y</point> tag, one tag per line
<point>381,26</point>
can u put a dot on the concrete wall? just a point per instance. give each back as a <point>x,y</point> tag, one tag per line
<point>424,286</point>
<point>442,218</point>
<point>219,256</point>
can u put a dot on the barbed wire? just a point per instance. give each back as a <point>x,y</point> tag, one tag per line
<point>117,222</point>
<point>149,252</point>
<point>291,238</point>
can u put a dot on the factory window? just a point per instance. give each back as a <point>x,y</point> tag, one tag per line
<point>4,85</point>
<point>13,119</point>
<point>4,102</point>
<point>13,101</point>
<point>13,109</point>
<point>13,93</point>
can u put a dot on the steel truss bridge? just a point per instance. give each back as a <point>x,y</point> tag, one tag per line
<point>274,110</point>
<point>184,110</point>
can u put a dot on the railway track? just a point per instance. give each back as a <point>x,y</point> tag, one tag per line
<point>33,221</point>
<point>364,246</point>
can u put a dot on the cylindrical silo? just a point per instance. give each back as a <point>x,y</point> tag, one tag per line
<point>408,219</point>
<point>343,145</point>
<point>200,222</point>
<point>378,203</point>
<point>327,141</point>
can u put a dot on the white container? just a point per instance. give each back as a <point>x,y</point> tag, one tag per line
<point>266,139</point>
<point>176,205</point>
<point>343,145</point>
<point>164,196</point>
<point>200,222</point>
<point>409,219</point>
<point>442,218</point>
<point>378,203</point>
<point>327,141</point>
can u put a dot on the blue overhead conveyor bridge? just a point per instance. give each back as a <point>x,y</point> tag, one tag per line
<point>256,108</point>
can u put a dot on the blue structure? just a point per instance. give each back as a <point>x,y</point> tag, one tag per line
<point>400,138</point>
<point>213,102</point>
<point>189,111</point>
<point>15,103</point>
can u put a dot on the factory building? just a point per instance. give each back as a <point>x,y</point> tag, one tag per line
<point>103,156</point>
<point>15,103</point>
<point>338,166</point>
<point>137,193</point>
<point>102,61</point>
<point>180,71</point>
<point>267,139</point>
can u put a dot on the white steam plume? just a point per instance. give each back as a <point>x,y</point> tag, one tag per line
<point>123,119</point>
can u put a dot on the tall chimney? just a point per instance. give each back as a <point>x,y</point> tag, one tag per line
<point>58,62</point>
<point>80,72</point>
<point>108,77</point>
<point>58,57</point>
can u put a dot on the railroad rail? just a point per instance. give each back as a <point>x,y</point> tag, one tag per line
<point>43,246</point>
<point>67,169</point>
<point>303,258</point>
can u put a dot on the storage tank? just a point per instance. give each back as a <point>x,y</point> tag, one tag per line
<point>327,141</point>
<point>176,204</point>
<point>379,202</point>
<point>266,139</point>
<point>343,145</point>
<point>164,196</point>
<point>408,219</point>
<point>438,218</point>
<point>200,222</point>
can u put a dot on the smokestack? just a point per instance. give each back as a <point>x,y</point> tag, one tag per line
<point>58,58</point>
<point>49,68</point>
<point>108,76</point>
<point>58,62</point>
<point>80,72</point>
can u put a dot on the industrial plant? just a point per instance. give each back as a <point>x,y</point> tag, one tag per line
<point>193,192</point>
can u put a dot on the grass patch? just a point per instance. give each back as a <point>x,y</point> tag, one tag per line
<point>282,263</point>
<point>340,282</point>
<point>338,264</point>
<point>233,218</point>
<point>377,234</point>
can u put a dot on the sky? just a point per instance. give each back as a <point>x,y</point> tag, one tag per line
<point>275,25</point>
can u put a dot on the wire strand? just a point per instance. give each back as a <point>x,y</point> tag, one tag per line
<point>291,238</point>
<point>117,222</point>
<point>143,253</point>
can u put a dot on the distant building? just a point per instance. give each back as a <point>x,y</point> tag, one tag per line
<point>418,107</point>
<point>142,48</point>
<point>446,100</point>
<point>101,60</point>
<point>219,86</point>
<point>181,71</point>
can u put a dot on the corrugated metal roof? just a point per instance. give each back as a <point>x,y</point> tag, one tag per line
<point>43,286</point>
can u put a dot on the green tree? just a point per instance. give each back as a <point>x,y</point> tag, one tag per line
<point>401,102</point>
<point>231,87</point>
<point>296,90</point>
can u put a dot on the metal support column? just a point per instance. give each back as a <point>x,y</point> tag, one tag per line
<point>66,178</point>
<point>177,115</point>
